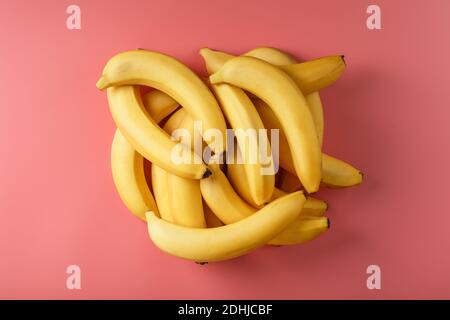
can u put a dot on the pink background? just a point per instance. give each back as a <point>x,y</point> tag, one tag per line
<point>388,115</point>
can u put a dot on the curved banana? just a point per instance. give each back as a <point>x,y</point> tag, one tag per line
<point>310,76</point>
<point>289,105</point>
<point>128,165</point>
<point>244,119</point>
<point>230,208</point>
<point>165,73</point>
<point>303,229</point>
<point>336,173</point>
<point>230,241</point>
<point>280,58</point>
<point>271,55</point>
<point>146,136</point>
<point>128,174</point>
<point>179,199</point>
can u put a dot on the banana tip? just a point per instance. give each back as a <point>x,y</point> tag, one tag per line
<point>343,59</point>
<point>328,223</point>
<point>207,173</point>
<point>102,83</point>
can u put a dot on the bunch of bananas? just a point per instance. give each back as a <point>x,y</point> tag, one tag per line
<point>201,210</point>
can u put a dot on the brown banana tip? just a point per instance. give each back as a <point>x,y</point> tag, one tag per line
<point>201,263</point>
<point>328,223</point>
<point>343,59</point>
<point>207,173</point>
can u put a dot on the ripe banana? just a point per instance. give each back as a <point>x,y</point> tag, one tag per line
<point>230,208</point>
<point>279,58</point>
<point>179,199</point>
<point>289,105</point>
<point>128,165</point>
<point>128,174</point>
<point>335,172</point>
<point>230,241</point>
<point>157,70</point>
<point>146,136</point>
<point>303,229</point>
<point>244,119</point>
<point>272,55</point>
<point>309,76</point>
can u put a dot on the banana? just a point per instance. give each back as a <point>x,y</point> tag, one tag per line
<point>163,197</point>
<point>146,136</point>
<point>222,199</point>
<point>230,208</point>
<point>128,165</point>
<point>310,76</point>
<point>179,199</point>
<point>162,72</point>
<point>315,107</point>
<point>288,104</point>
<point>303,229</point>
<point>226,242</point>
<point>271,55</point>
<point>336,173</point>
<point>279,58</point>
<point>128,174</point>
<point>244,119</point>
<point>236,176</point>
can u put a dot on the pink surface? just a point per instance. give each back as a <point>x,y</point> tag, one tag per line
<point>388,115</point>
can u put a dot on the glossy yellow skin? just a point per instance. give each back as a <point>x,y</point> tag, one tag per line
<point>287,102</point>
<point>146,136</point>
<point>165,73</point>
<point>230,241</point>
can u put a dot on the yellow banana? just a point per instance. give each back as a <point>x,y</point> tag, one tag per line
<point>230,208</point>
<point>244,119</point>
<point>279,58</point>
<point>146,136</point>
<point>303,229</point>
<point>163,198</point>
<point>310,76</point>
<point>272,55</point>
<point>128,174</point>
<point>335,172</point>
<point>222,199</point>
<point>287,102</point>
<point>236,176</point>
<point>128,165</point>
<point>179,199</point>
<point>226,242</point>
<point>162,72</point>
